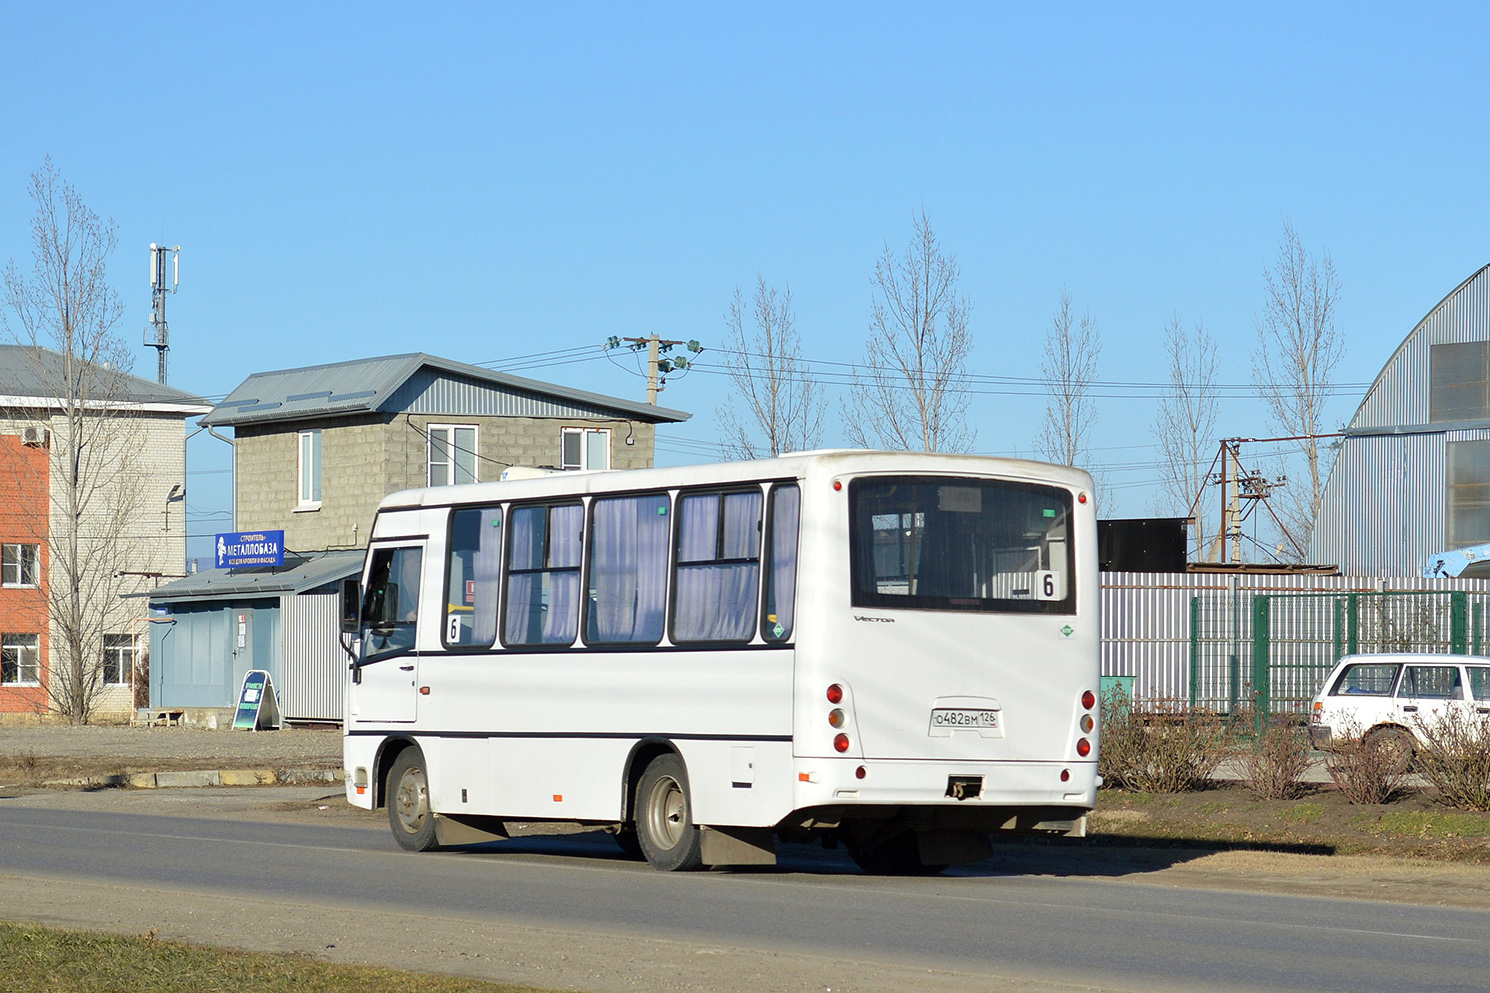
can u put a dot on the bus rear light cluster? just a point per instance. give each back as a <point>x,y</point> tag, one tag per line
<point>840,742</point>
<point>1087,724</point>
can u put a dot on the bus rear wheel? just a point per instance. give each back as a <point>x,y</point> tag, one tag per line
<point>409,816</point>
<point>669,839</point>
<point>899,855</point>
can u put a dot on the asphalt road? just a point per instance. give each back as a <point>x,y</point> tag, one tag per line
<point>980,922</point>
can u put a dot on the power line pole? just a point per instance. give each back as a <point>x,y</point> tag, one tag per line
<point>158,290</point>
<point>659,361</point>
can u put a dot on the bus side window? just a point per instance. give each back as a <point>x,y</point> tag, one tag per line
<point>628,569</point>
<point>473,577</point>
<point>781,569</point>
<point>718,577</point>
<point>542,605</point>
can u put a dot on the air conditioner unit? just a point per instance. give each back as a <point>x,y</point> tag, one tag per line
<point>33,435</point>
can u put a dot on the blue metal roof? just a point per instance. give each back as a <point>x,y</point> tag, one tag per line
<point>309,572</point>
<point>414,382</point>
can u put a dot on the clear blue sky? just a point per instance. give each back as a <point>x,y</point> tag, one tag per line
<point>486,181</point>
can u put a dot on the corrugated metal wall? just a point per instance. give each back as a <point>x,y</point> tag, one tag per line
<point>1382,511</point>
<point>1400,394</point>
<point>431,392</point>
<point>1146,628</point>
<point>315,666</point>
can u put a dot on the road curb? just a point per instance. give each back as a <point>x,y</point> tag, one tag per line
<point>203,777</point>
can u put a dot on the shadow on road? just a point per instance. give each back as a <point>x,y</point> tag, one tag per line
<point>1086,857</point>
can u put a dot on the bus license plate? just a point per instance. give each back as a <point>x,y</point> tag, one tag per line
<point>946,720</point>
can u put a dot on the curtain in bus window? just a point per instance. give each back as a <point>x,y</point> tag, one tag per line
<point>475,562</point>
<point>628,570</point>
<point>543,576</point>
<point>718,567</point>
<point>781,575</point>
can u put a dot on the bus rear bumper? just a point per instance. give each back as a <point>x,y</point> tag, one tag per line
<point>850,782</point>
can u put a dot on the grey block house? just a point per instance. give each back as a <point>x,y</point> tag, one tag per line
<point>315,450</point>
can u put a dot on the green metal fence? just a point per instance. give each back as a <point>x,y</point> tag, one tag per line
<point>1275,649</point>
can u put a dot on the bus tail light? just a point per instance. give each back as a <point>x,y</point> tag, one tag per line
<point>1087,723</point>
<point>1088,700</point>
<point>835,693</point>
<point>1083,747</point>
<point>1065,775</point>
<point>835,717</point>
<point>840,742</point>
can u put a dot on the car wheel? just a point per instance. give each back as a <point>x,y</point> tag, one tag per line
<point>1396,746</point>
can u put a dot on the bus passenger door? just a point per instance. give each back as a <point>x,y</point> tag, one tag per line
<point>385,689</point>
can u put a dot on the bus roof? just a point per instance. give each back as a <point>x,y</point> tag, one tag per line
<point>794,465</point>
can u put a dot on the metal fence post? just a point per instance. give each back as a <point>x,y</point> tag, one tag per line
<point>1261,656</point>
<point>1194,649</point>
<point>1352,623</point>
<point>1477,616</point>
<point>1339,628</point>
<point>1459,622</point>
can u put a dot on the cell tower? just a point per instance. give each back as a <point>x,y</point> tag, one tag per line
<point>157,335</point>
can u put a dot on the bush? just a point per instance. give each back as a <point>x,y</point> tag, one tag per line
<point>1159,747</point>
<point>1273,768</point>
<point>1366,768</point>
<point>1455,758</point>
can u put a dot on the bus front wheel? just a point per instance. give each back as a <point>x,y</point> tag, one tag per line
<point>409,815</point>
<point>664,817</point>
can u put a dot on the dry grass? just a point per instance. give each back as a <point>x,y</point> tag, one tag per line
<point>50,960</point>
<point>1455,758</point>
<point>1274,766</point>
<point>1364,769</point>
<point>1159,746</point>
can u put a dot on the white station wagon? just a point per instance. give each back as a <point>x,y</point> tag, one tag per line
<point>1387,698</point>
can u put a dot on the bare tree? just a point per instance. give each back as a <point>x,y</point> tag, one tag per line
<point>1072,346</point>
<point>1298,348</point>
<point>910,393</point>
<point>63,313</point>
<point>783,404</point>
<point>1185,423</point>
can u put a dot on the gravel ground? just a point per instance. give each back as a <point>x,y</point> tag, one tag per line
<point>54,750</point>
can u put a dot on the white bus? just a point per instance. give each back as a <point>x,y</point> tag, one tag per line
<point>896,652</point>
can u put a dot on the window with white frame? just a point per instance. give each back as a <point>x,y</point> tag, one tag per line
<point>310,469</point>
<point>19,660</point>
<point>585,448</point>
<point>118,659</point>
<point>452,454</point>
<point>19,565</point>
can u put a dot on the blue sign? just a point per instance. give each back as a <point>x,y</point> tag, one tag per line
<point>250,548</point>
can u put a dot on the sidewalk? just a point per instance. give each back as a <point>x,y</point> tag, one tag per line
<point>149,757</point>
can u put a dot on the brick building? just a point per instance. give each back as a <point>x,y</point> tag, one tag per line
<point>133,528</point>
<point>23,572</point>
<point>316,449</point>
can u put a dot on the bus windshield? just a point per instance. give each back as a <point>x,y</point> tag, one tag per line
<point>940,543</point>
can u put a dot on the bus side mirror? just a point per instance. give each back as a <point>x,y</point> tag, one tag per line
<point>351,606</point>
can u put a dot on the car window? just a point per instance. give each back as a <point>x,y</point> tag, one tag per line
<point>1435,682</point>
<point>1367,679</point>
<point>1479,681</point>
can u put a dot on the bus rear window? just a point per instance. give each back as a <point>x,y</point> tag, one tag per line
<point>941,543</point>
